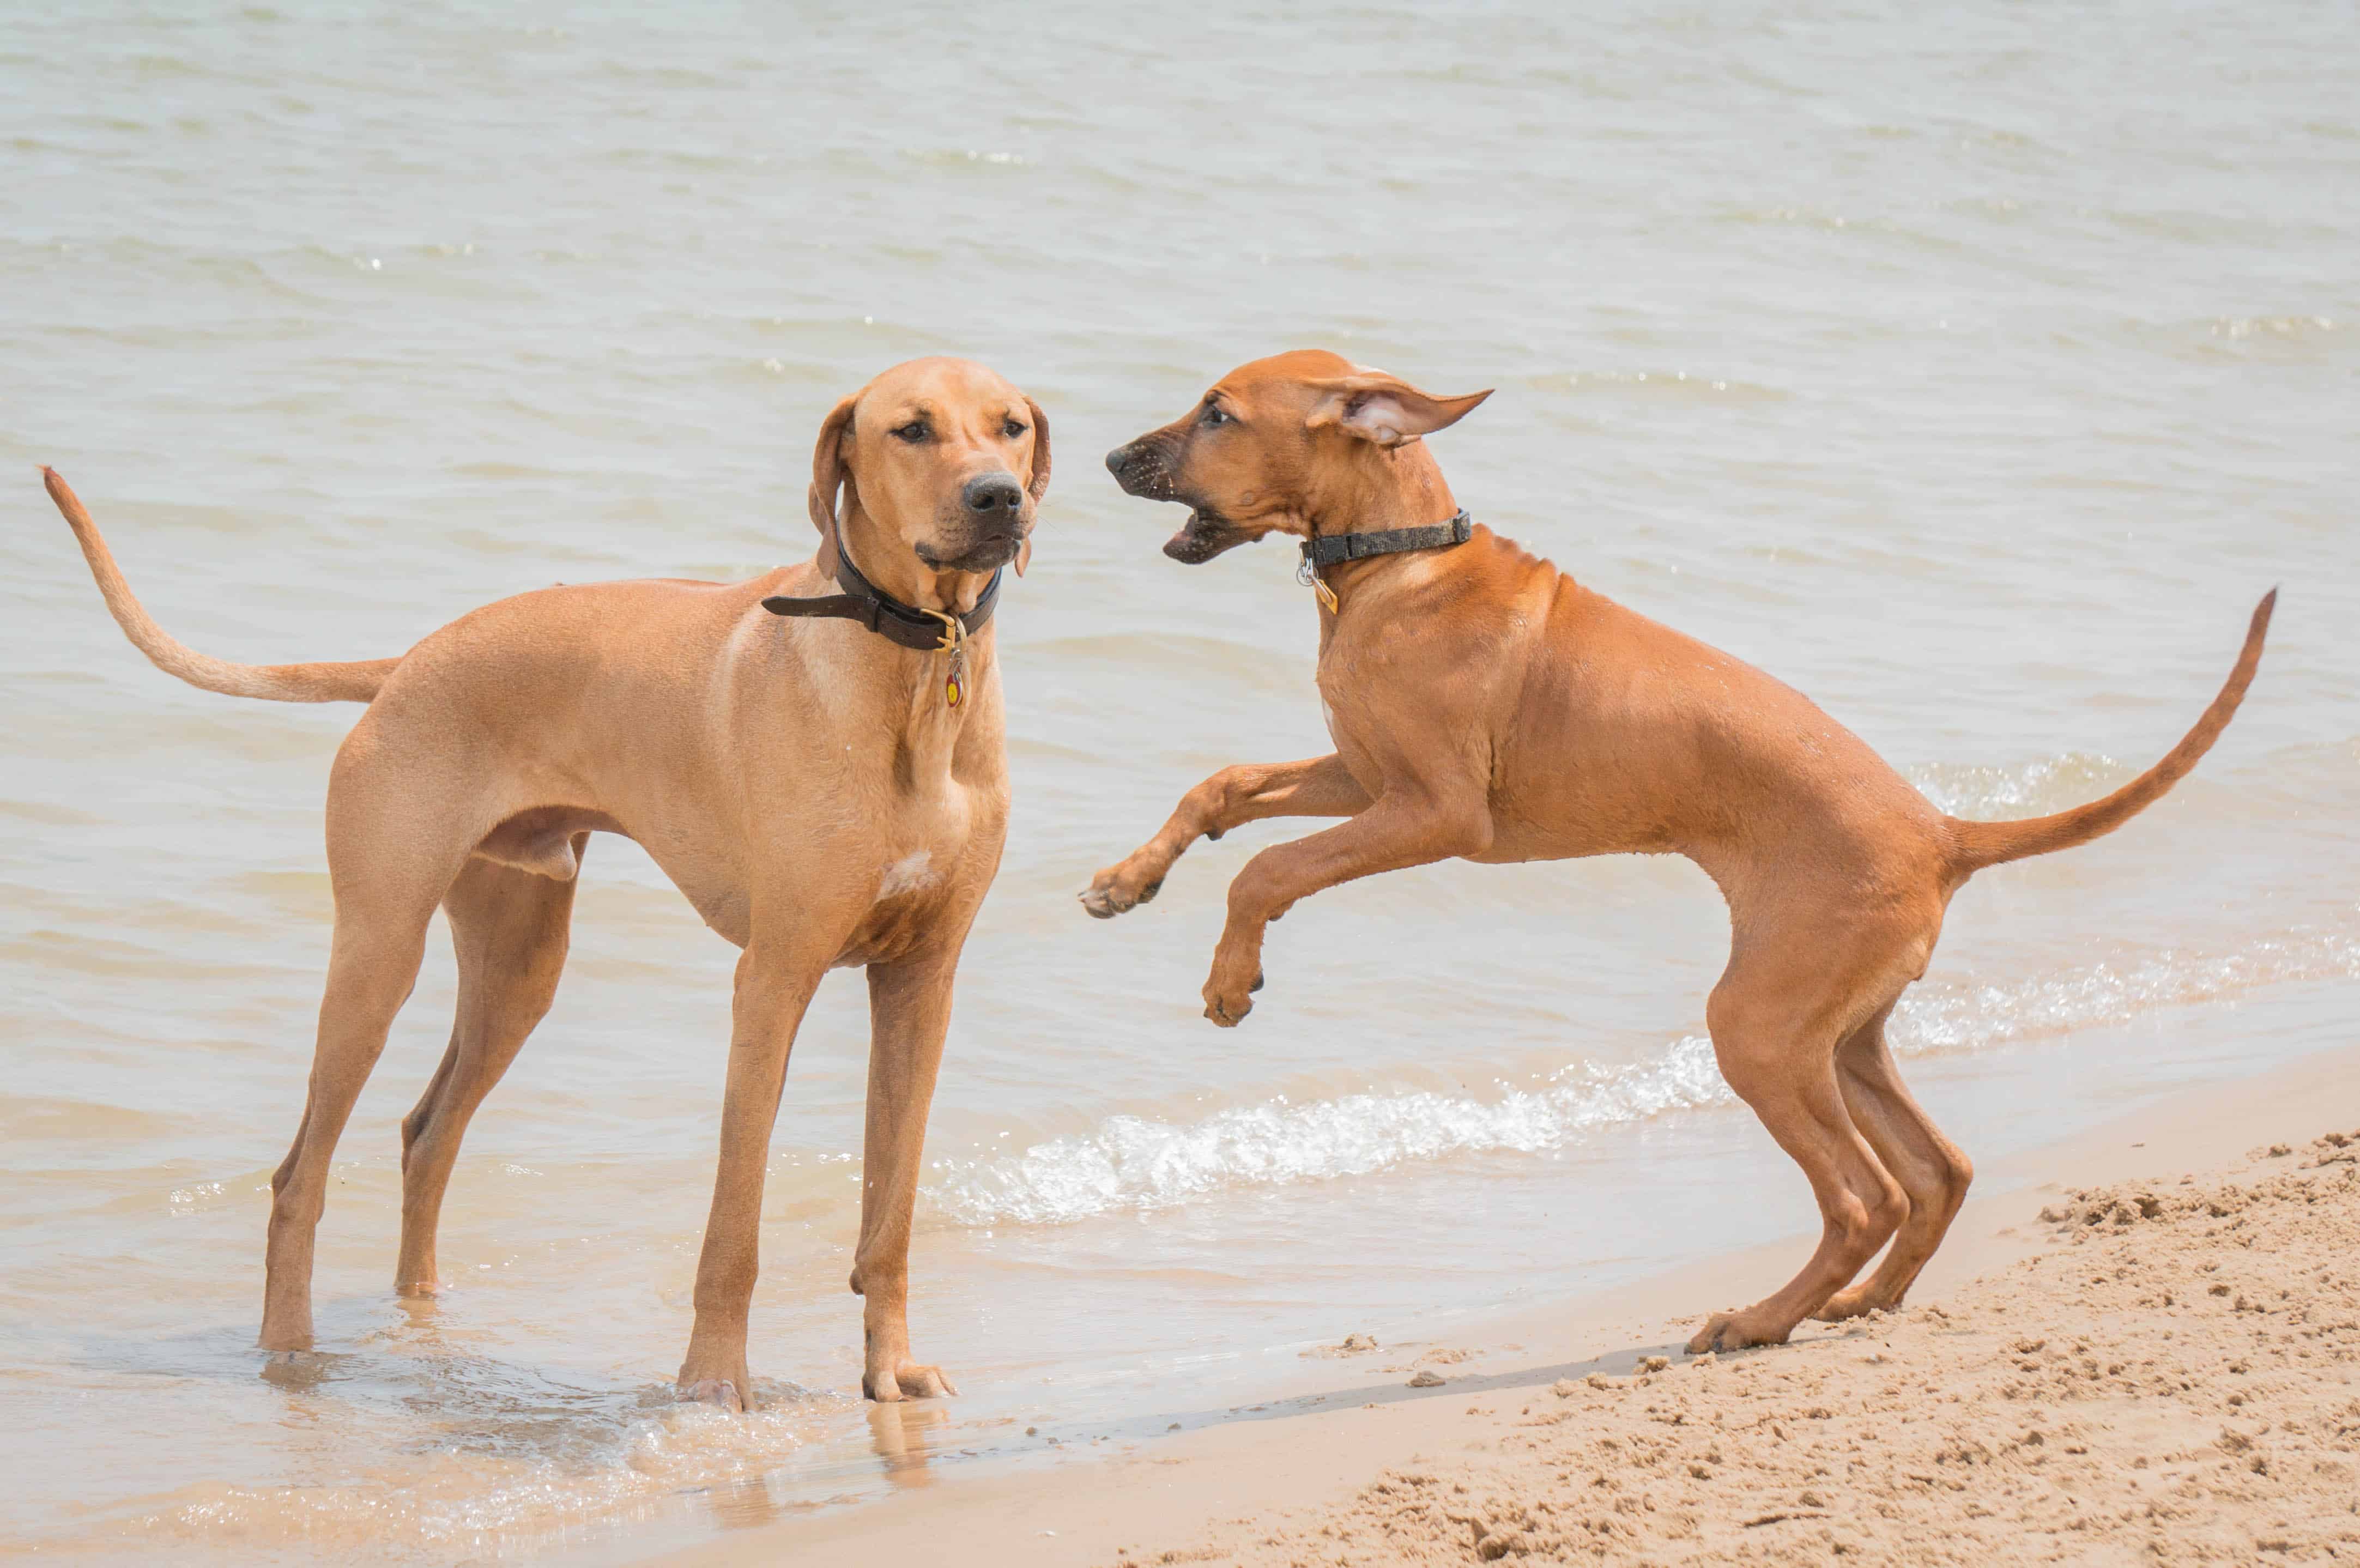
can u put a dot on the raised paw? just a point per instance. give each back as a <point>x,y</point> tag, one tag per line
<point>1228,1009</point>
<point>908,1380</point>
<point>1118,890</point>
<point>1736,1331</point>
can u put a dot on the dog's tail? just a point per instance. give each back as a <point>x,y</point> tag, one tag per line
<point>1978,844</point>
<point>353,683</point>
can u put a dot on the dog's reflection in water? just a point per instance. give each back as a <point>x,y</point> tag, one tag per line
<point>906,1436</point>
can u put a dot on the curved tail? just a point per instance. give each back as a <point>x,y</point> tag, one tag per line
<point>1978,844</point>
<point>353,683</point>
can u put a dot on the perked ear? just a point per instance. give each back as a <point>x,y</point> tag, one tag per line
<point>1386,409</point>
<point>828,472</point>
<point>1038,484</point>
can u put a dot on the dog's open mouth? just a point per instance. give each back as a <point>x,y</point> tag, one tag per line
<point>1204,535</point>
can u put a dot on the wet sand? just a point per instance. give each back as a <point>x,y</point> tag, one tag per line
<point>2144,1345</point>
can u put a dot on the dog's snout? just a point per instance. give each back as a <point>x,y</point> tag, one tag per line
<point>989,495</point>
<point>1135,468</point>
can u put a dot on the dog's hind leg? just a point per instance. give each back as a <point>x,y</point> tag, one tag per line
<point>1776,1048</point>
<point>508,930</point>
<point>1932,1169</point>
<point>372,966</point>
<point>395,842</point>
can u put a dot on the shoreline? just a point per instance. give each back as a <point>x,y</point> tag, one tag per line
<point>1304,1452</point>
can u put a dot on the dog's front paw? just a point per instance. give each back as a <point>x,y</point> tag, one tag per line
<point>1227,1003</point>
<point>1121,888</point>
<point>719,1392</point>
<point>716,1377</point>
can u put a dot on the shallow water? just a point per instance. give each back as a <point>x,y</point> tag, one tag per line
<point>1974,373</point>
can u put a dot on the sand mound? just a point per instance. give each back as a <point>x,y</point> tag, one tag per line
<point>2177,1380</point>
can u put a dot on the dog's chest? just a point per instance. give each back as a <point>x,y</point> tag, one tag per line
<point>1341,733</point>
<point>922,864</point>
<point>914,873</point>
<point>923,849</point>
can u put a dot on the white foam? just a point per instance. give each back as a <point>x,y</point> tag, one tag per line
<point>1965,1017</point>
<point>2030,788</point>
<point>469,1504</point>
<point>1132,1162</point>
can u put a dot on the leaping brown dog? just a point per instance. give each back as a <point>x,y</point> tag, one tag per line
<point>1485,705</point>
<point>828,788</point>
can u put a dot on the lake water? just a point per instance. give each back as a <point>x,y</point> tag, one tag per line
<point>1973,369</point>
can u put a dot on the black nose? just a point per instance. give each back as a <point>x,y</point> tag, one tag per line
<point>990,493</point>
<point>1138,468</point>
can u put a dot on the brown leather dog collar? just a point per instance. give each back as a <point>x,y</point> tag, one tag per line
<point>1338,548</point>
<point>925,630</point>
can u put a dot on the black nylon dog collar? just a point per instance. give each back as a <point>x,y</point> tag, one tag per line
<point>1338,548</point>
<point>887,617</point>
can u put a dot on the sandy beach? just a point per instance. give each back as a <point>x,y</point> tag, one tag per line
<point>2144,1345</point>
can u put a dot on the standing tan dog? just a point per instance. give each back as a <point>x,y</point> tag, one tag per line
<point>829,789</point>
<point>1486,707</point>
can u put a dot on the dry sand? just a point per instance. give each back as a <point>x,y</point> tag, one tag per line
<point>2177,1379</point>
<point>2153,1357</point>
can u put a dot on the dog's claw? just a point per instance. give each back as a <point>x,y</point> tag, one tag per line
<point>1259,978</point>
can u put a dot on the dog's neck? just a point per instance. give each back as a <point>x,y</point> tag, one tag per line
<point>1377,490</point>
<point>894,569</point>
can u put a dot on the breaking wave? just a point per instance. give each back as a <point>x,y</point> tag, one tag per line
<point>1132,1162</point>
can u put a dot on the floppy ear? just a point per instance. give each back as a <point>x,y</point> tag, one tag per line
<point>1386,409</point>
<point>1038,484</point>
<point>827,474</point>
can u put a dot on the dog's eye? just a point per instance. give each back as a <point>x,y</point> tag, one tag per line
<point>913,432</point>
<point>1214,416</point>
<point>1012,430</point>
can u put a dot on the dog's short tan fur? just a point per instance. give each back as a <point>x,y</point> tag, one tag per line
<point>1486,707</point>
<point>802,781</point>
